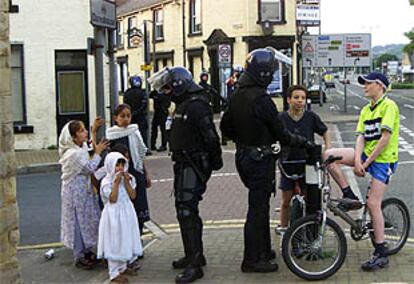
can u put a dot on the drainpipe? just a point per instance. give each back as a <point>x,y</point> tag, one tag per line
<point>184,38</point>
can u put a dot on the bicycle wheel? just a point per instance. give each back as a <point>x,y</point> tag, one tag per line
<point>397,224</point>
<point>309,255</point>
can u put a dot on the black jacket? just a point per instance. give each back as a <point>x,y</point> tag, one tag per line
<point>137,99</point>
<point>252,117</point>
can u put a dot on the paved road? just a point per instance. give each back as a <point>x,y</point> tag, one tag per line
<point>403,182</point>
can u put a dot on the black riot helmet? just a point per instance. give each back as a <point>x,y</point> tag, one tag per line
<point>204,76</point>
<point>260,65</point>
<point>177,80</point>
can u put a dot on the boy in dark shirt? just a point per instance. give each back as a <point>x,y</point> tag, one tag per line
<point>301,122</point>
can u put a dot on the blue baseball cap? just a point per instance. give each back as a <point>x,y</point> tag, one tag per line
<point>376,77</point>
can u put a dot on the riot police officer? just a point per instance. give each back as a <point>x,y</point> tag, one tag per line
<point>196,153</point>
<point>210,90</point>
<point>162,103</point>
<point>252,122</point>
<point>137,99</point>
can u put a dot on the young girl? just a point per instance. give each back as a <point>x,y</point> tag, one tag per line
<point>128,134</point>
<point>118,227</point>
<point>80,210</point>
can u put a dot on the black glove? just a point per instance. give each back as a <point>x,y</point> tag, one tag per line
<point>310,146</point>
<point>297,141</point>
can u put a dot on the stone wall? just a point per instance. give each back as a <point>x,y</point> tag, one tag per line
<point>9,230</point>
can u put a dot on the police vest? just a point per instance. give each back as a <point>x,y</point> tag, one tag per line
<point>249,131</point>
<point>185,135</point>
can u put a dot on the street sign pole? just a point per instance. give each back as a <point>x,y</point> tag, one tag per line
<point>345,91</point>
<point>99,34</point>
<point>147,74</point>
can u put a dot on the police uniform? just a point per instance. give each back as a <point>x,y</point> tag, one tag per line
<point>252,122</point>
<point>196,153</point>
<point>137,99</point>
<point>161,104</point>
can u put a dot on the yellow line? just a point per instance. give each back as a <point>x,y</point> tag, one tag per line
<point>174,228</point>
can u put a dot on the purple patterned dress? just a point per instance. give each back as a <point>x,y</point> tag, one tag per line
<point>79,202</point>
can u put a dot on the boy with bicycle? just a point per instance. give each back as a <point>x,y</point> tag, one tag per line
<point>376,152</point>
<point>301,122</point>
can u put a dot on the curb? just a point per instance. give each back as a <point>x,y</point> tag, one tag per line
<point>38,168</point>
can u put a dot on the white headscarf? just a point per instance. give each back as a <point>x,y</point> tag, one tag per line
<point>72,156</point>
<point>110,163</point>
<point>137,147</point>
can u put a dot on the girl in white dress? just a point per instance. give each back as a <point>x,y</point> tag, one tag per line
<point>118,227</point>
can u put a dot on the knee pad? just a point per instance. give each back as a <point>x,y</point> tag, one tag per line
<point>184,213</point>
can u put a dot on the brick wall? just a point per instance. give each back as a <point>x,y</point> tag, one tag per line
<point>9,231</point>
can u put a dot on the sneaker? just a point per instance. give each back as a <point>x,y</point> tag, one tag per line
<point>279,230</point>
<point>347,204</point>
<point>375,262</point>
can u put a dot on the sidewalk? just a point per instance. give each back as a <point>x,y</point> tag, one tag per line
<point>223,210</point>
<point>223,248</point>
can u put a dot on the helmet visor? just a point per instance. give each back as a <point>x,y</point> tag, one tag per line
<point>160,79</point>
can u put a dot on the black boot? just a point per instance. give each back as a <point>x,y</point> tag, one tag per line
<point>262,266</point>
<point>190,274</point>
<point>184,261</point>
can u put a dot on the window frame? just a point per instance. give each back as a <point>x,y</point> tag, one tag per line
<point>192,17</point>
<point>119,34</point>
<point>156,24</point>
<point>130,26</point>
<point>23,82</point>
<point>282,20</point>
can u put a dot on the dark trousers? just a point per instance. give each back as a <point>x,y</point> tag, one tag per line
<point>259,178</point>
<point>158,121</point>
<point>188,194</point>
<point>143,129</point>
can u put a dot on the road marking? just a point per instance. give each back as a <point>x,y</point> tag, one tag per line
<point>408,106</point>
<point>356,107</point>
<point>402,117</point>
<point>155,229</point>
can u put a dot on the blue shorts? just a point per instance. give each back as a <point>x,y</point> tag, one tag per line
<point>381,171</point>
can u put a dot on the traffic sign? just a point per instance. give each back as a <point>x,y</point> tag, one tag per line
<point>308,15</point>
<point>103,13</point>
<point>146,67</point>
<point>308,51</point>
<point>224,54</point>
<point>357,50</point>
<point>336,50</point>
<point>330,51</point>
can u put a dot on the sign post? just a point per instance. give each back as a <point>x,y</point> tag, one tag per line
<point>224,62</point>
<point>103,16</point>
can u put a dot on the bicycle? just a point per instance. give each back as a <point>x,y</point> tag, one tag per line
<point>314,247</point>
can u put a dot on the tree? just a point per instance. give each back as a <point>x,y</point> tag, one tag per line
<point>409,47</point>
<point>385,58</point>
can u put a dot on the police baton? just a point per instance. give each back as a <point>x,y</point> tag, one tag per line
<point>202,177</point>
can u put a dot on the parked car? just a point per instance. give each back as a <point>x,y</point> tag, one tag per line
<point>314,95</point>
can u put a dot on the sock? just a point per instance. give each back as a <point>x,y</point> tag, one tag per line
<point>380,249</point>
<point>348,193</point>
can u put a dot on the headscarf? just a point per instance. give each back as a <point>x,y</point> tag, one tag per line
<point>110,163</point>
<point>137,147</point>
<point>72,157</point>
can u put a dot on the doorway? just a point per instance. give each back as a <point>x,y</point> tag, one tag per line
<point>71,88</point>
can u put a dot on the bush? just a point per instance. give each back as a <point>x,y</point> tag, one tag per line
<point>402,86</point>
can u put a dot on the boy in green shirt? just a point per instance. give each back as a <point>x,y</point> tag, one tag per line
<point>376,152</point>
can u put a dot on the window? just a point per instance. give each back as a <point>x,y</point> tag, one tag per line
<point>158,24</point>
<point>17,84</point>
<point>271,11</point>
<point>195,17</point>
<point>119,34</point>
<point>132,23</point>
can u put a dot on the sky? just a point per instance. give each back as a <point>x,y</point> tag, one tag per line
<point>387,20</point>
